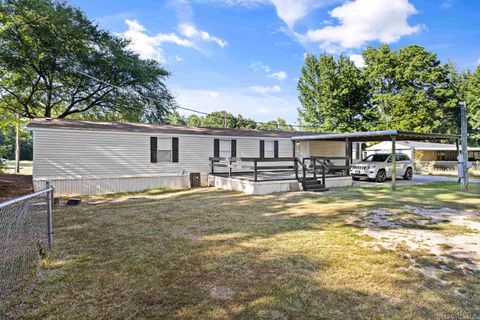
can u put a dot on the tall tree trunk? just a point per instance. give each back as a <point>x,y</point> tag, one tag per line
<point>17,145</point>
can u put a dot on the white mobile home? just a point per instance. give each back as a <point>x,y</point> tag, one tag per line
<point>89,157</point>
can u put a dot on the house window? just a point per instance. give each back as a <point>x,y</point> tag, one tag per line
<point>225,148</point>
<point>269,149</point>
<point>163,149</point>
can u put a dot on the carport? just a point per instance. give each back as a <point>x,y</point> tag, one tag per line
<point>378,136</point>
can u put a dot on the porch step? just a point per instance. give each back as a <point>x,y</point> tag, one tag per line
<point>315,185</point>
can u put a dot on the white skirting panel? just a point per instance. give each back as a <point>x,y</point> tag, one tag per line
<point>268,187</point>
<point>89,186</point>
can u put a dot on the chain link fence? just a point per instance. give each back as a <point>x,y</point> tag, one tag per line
<point>25,235</point>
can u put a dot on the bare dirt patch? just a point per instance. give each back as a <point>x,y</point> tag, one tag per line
<point>14,185</point>
<point>436,240</point>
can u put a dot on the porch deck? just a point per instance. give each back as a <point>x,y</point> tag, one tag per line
<point>278,175</point>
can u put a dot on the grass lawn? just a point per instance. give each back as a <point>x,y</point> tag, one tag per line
<point>209,254</point>
<point>25,167</point>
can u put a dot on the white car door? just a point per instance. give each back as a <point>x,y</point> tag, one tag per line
<point>401,164</point>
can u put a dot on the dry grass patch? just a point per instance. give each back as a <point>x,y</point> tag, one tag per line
<point>208,254</point>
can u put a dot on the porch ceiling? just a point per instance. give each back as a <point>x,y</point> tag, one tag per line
<point>385,135</point>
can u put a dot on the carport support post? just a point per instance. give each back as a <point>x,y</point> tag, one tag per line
<point>394,163</point>
<point>347,155</point>
<point>463,136</point>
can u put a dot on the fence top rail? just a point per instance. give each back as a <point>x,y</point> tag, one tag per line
<point>25,197</point>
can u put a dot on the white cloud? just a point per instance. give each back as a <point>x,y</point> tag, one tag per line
<point>178,58</point>
<point>362,21</point>
<point>358,60</point>
<point>280,75</point>
<point>265,90</point>
<point>289,11</point>
<point>212,94</point>
<point>447,4</point>
<point>149,47</point>
<point>257,66</point>
<point>189,31</point>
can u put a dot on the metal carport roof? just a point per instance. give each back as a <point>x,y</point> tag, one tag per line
<point>385,135</point>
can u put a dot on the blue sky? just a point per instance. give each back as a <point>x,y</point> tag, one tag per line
<point>245,56</point>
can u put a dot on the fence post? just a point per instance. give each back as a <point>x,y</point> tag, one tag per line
<point>254,170</point>
<point>49,215</point>
<point>314,168</point>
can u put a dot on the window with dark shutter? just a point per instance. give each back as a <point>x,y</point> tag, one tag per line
<point>153,149</point>
<point>233,149</point>
<point>174,149</point>
<point>262,149</point>
<point>275,149</point>
<point>216,148</point>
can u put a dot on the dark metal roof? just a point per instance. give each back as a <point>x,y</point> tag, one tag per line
<point>384,135</point>
<point>69,124</point>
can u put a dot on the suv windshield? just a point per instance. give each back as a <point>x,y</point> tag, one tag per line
<point>376,158</point>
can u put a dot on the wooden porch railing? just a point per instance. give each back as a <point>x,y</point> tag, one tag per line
<point>316,165</point>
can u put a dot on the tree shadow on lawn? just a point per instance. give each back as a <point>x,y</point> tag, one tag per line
<point>218,254</point>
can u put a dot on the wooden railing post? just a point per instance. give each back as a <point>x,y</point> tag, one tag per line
<point>323,175</point>
<point>230,168</point>
<point>213,164</point>
<point>255,170</point>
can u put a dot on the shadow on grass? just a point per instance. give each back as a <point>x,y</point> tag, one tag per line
<point>219,254</point>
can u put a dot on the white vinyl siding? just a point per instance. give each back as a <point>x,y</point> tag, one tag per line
<point>84,154</point>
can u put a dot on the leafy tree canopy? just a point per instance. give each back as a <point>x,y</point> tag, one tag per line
<point>409,89</point>
<point>45,48</point>
<point>334,94</point>
<point>224,119</point>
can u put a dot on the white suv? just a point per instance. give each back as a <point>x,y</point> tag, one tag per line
<point>379,167</point>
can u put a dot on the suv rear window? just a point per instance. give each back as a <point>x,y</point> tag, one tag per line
<point>376,158</point>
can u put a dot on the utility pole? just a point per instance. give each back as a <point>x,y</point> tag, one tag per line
<point>17,144</point>
<point>463,139</point>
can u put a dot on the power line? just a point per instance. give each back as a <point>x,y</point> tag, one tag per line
<point>178,107</point>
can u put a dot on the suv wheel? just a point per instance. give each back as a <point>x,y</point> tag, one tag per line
<point>381,176</point>
<point>355,178</point>
<point>408,174</point>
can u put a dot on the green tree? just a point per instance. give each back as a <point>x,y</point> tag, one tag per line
<point>175,118</point>
<point>45,48</point>
<point>410,89</point>
<point>194,121</point>
<point>279,124</point>
<point>245,123</point>
<point>333,94</point>
<point>472,99</point>
<point>220,119</point>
